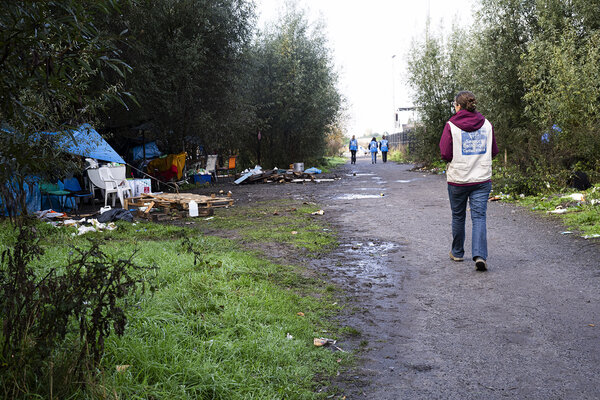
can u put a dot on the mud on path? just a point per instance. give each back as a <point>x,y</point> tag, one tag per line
<point>528,328</point>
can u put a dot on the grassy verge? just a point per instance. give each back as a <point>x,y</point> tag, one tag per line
<point>330,163</point>
<point>284,222</point>
<point>224,323</point>
<point>580,211</point>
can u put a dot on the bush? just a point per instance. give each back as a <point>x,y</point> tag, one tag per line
<point>40,308</point>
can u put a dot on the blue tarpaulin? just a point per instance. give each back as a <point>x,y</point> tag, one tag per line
<point>33,196</point>
<point>152,151</point>
<point>88,143</point>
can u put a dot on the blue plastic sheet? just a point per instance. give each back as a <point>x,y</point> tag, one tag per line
<point>152,151</point>
<point>33,197</point>
<point>88,143</point>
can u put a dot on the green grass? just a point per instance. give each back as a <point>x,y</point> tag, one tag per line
<point>218,329</point>
<point>331,163</point>
<point>281,221</point>
<point>582,216</point>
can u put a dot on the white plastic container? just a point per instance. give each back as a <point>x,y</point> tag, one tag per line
<point>193,206</point>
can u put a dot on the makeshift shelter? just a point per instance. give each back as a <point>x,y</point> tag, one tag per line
<point>88,143</point>
<point>84,141</point>
<point>168,167</point>
<point>148,150</point>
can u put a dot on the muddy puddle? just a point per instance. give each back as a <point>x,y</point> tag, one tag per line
<point>366,260</point>
<point>408,180</point>
<point>360,174</point>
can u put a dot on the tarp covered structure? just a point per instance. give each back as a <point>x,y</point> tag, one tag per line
<point>152,151</point>
<point>88,143</point>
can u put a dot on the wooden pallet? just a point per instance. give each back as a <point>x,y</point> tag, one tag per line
<point>176,205</point>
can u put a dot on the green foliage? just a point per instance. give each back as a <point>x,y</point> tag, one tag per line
<point>432,68</point>
<point>293,87</point>
<point>51,78</point>
<point>188,70</point>
<point>534,68</point>
<point>42,306</point>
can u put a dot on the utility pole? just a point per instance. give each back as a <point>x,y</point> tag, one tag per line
<point>394,115</point>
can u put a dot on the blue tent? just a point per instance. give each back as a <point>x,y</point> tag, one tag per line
<point>88,143</point>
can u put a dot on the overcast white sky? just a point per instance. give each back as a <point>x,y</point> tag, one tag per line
<point>364,35</point>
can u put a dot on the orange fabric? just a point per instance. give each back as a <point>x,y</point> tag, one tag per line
<point>166,164</point>
<point>232,162</point>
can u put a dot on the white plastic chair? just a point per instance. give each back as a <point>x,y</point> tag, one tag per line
<point>113,186</point>
<point>211,165</point>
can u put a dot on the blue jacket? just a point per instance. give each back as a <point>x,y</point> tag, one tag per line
<point>353,144</point>
<point>373,146</point>
<point>383,145</point>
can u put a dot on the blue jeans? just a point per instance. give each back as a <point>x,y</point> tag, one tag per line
<point>478,198</point>
<point>374,157</point>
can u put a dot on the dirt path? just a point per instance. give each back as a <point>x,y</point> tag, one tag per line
<point>440,330</point>
<point>435,329</point>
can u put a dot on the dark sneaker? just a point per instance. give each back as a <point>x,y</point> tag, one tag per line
<point>454,258</point>
<point>480,264</point>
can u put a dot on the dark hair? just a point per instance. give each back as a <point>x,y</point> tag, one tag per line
<point>374,139</point>
<point>466,100</point>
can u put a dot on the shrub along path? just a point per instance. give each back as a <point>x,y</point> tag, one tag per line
<point>427,327</point>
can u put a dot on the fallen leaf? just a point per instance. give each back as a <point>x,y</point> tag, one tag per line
<point>301,314</point>
<point>122,368</point>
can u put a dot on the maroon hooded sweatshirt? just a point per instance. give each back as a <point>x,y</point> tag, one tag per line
<point>467,121</point>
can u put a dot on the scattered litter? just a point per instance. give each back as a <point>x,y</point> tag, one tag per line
<point>208,219</point>
<point>312,170</point>
<point>291,175</point>
<point>288,336</point>
<point>566,233</point>
<point>320,212</point>
<point>595,235</point>
<point>382,194</point>
<point>575,196</point>
<point>319,342</point>
<point>49,215</point>
<point>592,325</point>
<point>294,233</point>
<point>301,314</point>
<point>104,209</point>
<point>559,210</point>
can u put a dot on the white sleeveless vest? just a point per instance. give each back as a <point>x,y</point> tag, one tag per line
<point>471,155</point>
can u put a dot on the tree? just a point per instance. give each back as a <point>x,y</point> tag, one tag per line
<point>433,75</point>
<point>52,63</point>
<point>187,58</point>
<point>294,91</point>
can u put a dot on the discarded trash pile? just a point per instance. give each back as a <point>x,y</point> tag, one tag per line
<point>166,206</point>
<point>257,175</point>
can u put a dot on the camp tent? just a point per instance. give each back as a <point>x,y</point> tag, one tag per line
<point>84,141</point>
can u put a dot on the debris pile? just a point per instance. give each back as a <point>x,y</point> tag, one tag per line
<point>168,206</point>
<point>276,175</point>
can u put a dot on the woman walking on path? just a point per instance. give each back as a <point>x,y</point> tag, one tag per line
<point>468,144</point>
<point>353,147</point>
<point>383,146</point>
<point>373,148</point>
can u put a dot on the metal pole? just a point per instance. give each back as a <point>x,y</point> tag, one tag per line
<point>393,95</point>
